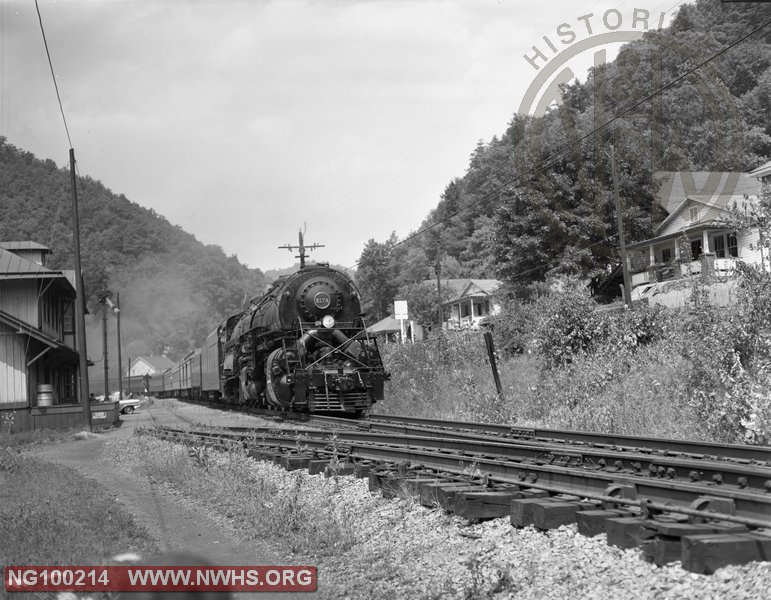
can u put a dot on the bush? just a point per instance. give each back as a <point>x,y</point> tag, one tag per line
<point>565,325</point>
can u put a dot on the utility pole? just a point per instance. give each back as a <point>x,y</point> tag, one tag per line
<point>302,248</point>
<point>438,268</point>
<point>103,297</point>
<point>622,242</point>
<point>80,302</point>
<point>116,308</point>
<point>105,300</point>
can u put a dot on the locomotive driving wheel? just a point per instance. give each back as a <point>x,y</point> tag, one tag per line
<point>279,388</point>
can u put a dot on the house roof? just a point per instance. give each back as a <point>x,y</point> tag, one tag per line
<point>12,264</point>
<point>15,267</point>
<point>23,246</point>
<point>713,205</point>
<point>387,325</point>
<point>159,363</point>
<point>467,288</point>
<point>676,186</point>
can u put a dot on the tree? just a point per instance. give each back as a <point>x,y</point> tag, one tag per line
<point>376,276</point>
<point>423,302</point>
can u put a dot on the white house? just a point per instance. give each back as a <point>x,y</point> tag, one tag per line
<point>472,301</point>
<point>149,365</point>
<point>694,236</point>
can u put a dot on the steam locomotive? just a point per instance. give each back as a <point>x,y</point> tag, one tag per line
<point>302,346</point>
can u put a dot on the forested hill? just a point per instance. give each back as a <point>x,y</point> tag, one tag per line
<point>537,200</point>
<point>173,289</point>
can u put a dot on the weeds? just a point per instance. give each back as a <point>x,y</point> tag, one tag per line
<point>8,420</point>
<point>702,372</point>
<point>261,498</point>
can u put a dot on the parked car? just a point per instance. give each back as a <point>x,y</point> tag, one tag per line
<point>129,404</point>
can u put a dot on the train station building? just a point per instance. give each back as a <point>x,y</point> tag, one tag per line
<point>38,354</point>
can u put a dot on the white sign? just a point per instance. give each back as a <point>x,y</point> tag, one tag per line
<point>400,310</point>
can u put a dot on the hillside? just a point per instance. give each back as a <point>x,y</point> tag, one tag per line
<point>173,289</point>
<point>537,200</point>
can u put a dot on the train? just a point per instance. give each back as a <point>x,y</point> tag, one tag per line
<point>302,346</point>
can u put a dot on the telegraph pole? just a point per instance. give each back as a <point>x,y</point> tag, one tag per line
<point>438,269</point>
<point>120,362</point>
<point>105,300</point>
<point>80,302</point>
<point>302,248</point>
<point>620,225</point>
<point>104,296</point>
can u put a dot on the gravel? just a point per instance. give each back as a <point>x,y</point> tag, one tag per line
<point>405,550</point>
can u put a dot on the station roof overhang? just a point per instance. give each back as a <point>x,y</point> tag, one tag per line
<point>54,346</point>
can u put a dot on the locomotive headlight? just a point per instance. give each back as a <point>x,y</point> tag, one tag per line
<point>328,321</point>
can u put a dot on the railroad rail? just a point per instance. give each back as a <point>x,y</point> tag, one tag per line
<point>627,491</point>
<point>753,454</point>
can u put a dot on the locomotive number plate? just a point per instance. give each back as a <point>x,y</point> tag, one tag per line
<point>322,300</point>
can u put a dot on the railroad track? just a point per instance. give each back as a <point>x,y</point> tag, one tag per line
<point>706,505</point>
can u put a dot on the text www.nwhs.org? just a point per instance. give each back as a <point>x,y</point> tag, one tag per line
<point>156,578</point>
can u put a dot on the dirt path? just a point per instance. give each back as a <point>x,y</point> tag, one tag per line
<point>173,521</point>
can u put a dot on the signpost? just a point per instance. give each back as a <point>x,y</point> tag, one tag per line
<point>401,313</point>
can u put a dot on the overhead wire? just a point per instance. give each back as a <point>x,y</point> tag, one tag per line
<point>53,75</point>
<point>79,178</point>
<point>544,164</point>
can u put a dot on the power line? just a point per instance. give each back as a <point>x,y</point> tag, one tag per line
<point>53,75</point>
<point>66,129</point>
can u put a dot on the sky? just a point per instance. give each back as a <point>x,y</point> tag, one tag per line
<point>244,121</point>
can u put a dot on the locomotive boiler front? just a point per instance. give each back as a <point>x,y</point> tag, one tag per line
<point>307,297</point>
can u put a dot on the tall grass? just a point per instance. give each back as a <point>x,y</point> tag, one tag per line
<point>449,376</point>
<point>699,373</point>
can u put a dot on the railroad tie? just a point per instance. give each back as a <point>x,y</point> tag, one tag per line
<point>707,553</point>
<point>592,522</point>
<point>443,493</point>
<point>486,504</point>
<point>523,509</point>
<point>317,466</point>
<point>556,513</point>
<point>345,468</point>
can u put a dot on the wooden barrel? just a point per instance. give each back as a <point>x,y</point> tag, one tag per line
<point>45,394</point>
